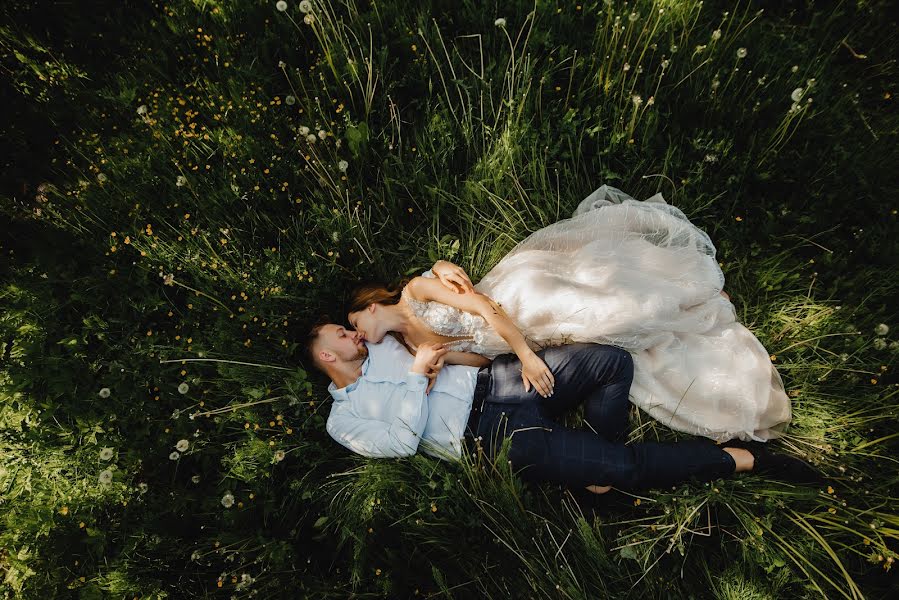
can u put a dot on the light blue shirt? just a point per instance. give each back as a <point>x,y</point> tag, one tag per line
<point>386,412</point>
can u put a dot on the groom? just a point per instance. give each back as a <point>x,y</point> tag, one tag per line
<point>383,407</point>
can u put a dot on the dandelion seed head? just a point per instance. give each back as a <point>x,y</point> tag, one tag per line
<point>633,17</point>
<point>281,5</point>
<point>322,134</point>
<point>304,130</point>
<point>882,329</point>
<point>174,456</point>
<point>106,453</point>
<point>309,19</point>
<point>105,476</point>
<point>500,22</point>
<point>796,95</point>
<point>343,166</point>
<point>637,100</point>
<point>716,35</point>
<point>311,138</point>
<point>305,7</point>
<point>742,52</point>
<point>794,68</point>
<point>281,64</point>
<point>880,343</point>
<point>104,392</point>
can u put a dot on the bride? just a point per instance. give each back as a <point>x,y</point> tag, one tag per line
<point>633,274</point>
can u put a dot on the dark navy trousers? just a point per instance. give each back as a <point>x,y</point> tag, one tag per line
<point>599,377</point>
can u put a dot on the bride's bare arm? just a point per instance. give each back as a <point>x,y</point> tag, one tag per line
<point>469,359</point>
<point>534,371</point>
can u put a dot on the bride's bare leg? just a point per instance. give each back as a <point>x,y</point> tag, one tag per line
<point>599,489</point>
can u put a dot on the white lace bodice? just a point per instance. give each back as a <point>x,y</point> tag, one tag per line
<point>474,334</point>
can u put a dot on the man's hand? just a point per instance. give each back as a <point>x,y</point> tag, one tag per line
<point>433,371</point>
<point>452,276</point>
<point>535,372</point>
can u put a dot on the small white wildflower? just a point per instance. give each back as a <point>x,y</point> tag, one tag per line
<point>290,100</point>
<point>500,22</point>
<point>308,19</point>
<point>105,476</point>
<point>174,456</point>
<point>650,101</point>
<point>106,453</point>
<point>195,479</point>
<point>182,445</point>
<point>102,177</point>
<point>142,109</point>
<point>742,52</point>
<point>104,392</point>
<point>633,17</point>
<point>143,487</point>
<point>716,35</point>
<point>343,166</point>
<point>794,68</point>
<point>322,134</point>
<point>304,130</point>
<point>169,279</point>
<point>181,181</point>
<point>880,343</point>
<point>665,64</point>
<point>637,100</point>
<point>797,94</point>
<point>281,64</point>
<point>882,329</point>
<point>710,158</point>
<point>305,7</point>
<point>281,5</point>
<point>311,138</point>
<point>279,455</point>
<point>228,500</point>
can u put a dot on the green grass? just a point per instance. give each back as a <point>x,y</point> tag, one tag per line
<point>460,137</point>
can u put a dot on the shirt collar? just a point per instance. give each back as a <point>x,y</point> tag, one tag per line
<point>341,393</point>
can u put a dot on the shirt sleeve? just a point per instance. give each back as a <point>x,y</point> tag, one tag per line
<point>380,439</point>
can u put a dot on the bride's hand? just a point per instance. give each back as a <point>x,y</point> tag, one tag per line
<point>535,372</point>
<point>452,276</point>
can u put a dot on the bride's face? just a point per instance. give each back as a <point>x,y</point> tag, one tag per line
<point>367,323</point>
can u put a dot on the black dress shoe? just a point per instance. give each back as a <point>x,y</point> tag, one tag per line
<point>782,467</point>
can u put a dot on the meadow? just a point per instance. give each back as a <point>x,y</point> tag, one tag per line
<point>188,185</point>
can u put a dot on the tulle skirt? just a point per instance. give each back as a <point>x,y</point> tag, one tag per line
<point>639,275</point>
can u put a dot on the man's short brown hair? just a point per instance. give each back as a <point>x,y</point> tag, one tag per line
<point>312,338</point>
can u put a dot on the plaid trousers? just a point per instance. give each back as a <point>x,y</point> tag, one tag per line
<point>599,376</point>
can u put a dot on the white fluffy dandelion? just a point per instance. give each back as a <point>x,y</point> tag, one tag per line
<point>106,453</point>
<point>322,134</point>
<point>305,7</point>
<point>311,138</point>
<point>500,22</point>
<point>882,329</point>
<point>174,456</point>
<point>343,166</point>
<point>105,476</point>
<point>880,343</point>
<point>304,130</point>
<point>797,94</point>
<point>182,388</point>
<point>279,455</point>
<point>281,64</point>
<point>104,392</point>
<point>281,5</point>
<point>181,181</point>
<point>637,100</point>
<point>182,445</point>
<point>716,35</point>
<point>228,500</point>
<point>742,52</point>
<point>309,19</point>
<point>290,100</point>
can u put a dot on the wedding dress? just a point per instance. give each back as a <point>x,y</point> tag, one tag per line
<point>638,275</point>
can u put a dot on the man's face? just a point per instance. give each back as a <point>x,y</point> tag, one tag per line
<point>344,344</point>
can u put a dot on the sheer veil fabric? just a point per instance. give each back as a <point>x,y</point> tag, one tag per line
<point>638,275</point>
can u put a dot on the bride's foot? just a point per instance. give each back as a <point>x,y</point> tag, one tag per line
<point>599,489</point>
